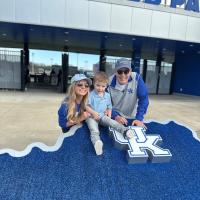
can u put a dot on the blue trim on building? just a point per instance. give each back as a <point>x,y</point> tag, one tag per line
<point>187,74</point>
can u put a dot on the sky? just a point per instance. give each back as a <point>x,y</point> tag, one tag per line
<point>85,61</point>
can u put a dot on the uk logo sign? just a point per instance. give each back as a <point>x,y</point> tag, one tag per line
<point>142,147</point>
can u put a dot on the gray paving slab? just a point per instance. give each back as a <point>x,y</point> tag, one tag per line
<point>31,116</point>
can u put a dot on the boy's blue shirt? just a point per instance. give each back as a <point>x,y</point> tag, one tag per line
<point>99,103</point>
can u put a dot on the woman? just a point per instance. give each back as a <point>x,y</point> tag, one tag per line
<point>72,110</point>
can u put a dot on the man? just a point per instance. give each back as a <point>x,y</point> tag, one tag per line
<point>128,94</point>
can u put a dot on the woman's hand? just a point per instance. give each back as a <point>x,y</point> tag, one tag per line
<point>92,113</point>
<point>78,120</point>
<point>138,123</point>
<point>85,115</point>
<point>71,123</point>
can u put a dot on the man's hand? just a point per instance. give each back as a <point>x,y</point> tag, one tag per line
<point>138,123</point>
<point>121,120</point>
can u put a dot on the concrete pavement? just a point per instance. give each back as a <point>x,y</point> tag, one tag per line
<point>31,116</point>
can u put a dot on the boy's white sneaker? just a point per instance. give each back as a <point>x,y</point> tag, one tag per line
<point>129,134</point>
<point>98,146</point>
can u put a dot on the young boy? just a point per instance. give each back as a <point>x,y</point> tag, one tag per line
<point>100,107</point>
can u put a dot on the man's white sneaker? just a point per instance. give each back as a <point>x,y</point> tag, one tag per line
<point>98,146</point>
<point>129,134</point>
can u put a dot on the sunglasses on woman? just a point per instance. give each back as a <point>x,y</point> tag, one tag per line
<point>125,71</point>
<point>82,85</point>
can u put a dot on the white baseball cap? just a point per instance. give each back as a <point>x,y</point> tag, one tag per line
<point>80,77</point>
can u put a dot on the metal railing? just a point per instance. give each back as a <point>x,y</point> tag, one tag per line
<point>10,56</point>
<point>10,69</point>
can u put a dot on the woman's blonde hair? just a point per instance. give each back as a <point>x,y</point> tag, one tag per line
<point>71,104</point>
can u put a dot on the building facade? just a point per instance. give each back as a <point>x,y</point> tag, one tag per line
<point>161,37</point>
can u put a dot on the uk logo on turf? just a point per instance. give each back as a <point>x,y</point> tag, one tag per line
<point>141,147</point>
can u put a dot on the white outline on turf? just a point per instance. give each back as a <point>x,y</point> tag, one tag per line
<point>71,132</point>
<point>42,146</point>
<point>168,121</point>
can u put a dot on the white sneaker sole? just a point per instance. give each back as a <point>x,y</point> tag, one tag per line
<point>98,146</point>
<point>129,134</point>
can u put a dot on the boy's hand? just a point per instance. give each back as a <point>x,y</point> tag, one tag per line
<point>108,112</point>
<point>96,116</point>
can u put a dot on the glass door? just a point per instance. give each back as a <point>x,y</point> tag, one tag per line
<point>165,78</point>
<point>152,76</point>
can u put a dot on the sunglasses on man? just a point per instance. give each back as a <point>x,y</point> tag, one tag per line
<point>125,71</point>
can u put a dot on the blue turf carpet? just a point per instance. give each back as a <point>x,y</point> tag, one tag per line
<point>75,172</point>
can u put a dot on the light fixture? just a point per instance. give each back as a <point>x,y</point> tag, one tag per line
<point>182,51</point>
<point>133,39</point>
<point>66,40</point>
<point>198,52</point>
<point>120,45</point>
<point>191,45</point>
<point>66,32</point>
<point>4,34</point>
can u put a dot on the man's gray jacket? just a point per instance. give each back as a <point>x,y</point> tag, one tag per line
<point>132,102</point>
